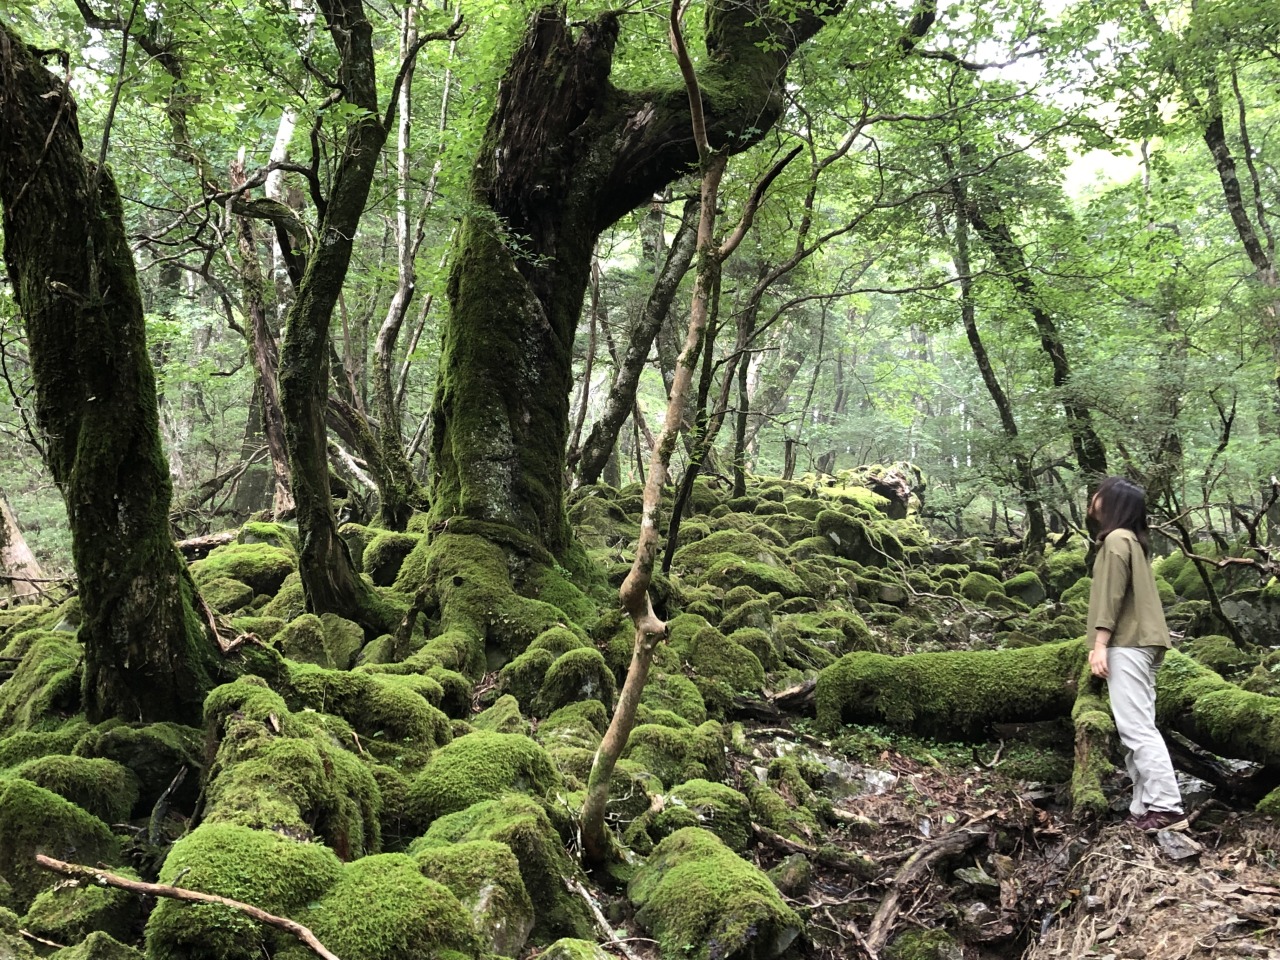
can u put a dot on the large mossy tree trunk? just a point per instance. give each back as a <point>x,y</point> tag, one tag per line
<point>148,653</point>
<point>566,155</point>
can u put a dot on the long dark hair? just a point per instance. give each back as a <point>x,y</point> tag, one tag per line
<point>1122,505</point>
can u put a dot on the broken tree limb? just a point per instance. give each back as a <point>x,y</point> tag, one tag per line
<point>950,844</point>
<point>94,875</point>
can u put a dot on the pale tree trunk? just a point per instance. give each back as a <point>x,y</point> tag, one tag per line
<point>20,572</point>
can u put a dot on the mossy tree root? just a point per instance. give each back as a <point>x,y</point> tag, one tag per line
<point>1095,733</point>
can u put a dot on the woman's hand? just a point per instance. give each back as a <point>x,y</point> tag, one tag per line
<point>1098,654</point>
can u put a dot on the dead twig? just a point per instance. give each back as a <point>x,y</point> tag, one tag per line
<point>94,875</point>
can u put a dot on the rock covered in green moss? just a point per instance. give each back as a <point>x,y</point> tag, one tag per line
<point>289,601</point>
<point>102,787</point>
<point>28,744</point>
<point>45,687</point>
<point>260,565</point>
<point>385,553</point>
<point>279,875</point>
<point>675,756</point>
<point>677,693</point>
<point>522,678</point>
<point>502,717</point>
<point>69,914</point>
<point>226,595</point>
<point>98,946</point>
<point>700,803</point>
<point>570,949</point>
<point>702,901</point>
<point>329,641</point>
<point>13,945</point>
<point>477,767</point>
<point>579,674</point>
<point>522,825</point>
<point>977,586</point>
<point>575,725</point>
<point>35,820</point>
<point>485,877</point>
<point>1026,586</point>
<point>383,908</point>
<point>720,668</point>
<point>154,752</point>
<point>1220,654</point>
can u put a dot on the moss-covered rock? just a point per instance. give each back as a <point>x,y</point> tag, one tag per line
<point>719,667</point>
<point>576,725</point>
<point>1026,586</point>
<point>579,674</point>
<point>523,677</point>
<point>976,586</point>
<point>102,787</point>
<point>226,595</point>
<point>383,908</point>
<point>1221,655</point>
<point>45,687</point>
<point>675,756</point>
<point>477,767</point>
<point>384,555</point>
<point>701,900</point>
<point>35,820</point>
<point>279,875</point>
<point>923,945</point>
<point>261,565</point>
<point>98,946</point>
<point>502,717</point>
<point>726,571</point>
<point>289,602</point>
<point>569,948</point>
<point>27,745</point>
<point>1063,567</point>
<point>69,914</point>
<point>485,877</point>
<point>154,753</point>
<point>264,628</point>
<point>521,824</point>
<point>699,803</point>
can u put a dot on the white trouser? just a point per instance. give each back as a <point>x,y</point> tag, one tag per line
<point>1132,687</point>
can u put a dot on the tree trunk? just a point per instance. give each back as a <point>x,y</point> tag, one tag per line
<point>148,653</point>
<point>566,155</point>
<point>20,572</point>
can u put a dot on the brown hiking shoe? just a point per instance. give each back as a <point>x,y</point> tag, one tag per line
<point>1153,821</point>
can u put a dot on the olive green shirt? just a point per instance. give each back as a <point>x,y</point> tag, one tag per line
<point>1123,597</point>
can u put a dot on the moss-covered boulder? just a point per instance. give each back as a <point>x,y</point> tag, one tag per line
<point>102,787</point>
<point>30,744</point>
<point>1221,655</point>
<point>522,678</point>
<point>521,824</point>
<point>279,875</point>
<point>977,586</point>
<point>383,908</point>
<point>45,687</point>
<point>155,753</point>
<point>477,767</point>
<point>385,554</point>
<point>569,948</point>
<point>289,602</point>
<point>226,595</point>
<point>485,877</point>
<point>260,565</point>
<point>579,674</point>
<point>502,717</point>
<point>331,642</point>
<point>702,901</point>
<point>719,667</point>
<point>1026,586</point>
<point>676,693</point>
<point>675,755</point>
<point>576,725</point>
<point>35,820</point>
<point>98,946</point>
<point>69,914</point>
<point>698,803</point>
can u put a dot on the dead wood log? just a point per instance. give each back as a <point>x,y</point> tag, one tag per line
<point>197,548</point>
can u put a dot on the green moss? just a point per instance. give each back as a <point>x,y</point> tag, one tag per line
<point>855,536</point>
<point>477,767</point>
<point>264,628</point>
<point>485,877</point>
<point>98,946</point>
<point>279,875</point>
<point>356,536</point>
<point>102,787</point>
<point>522,826</point>
<point>20,747</point>
<point>383,908</point>
<point>784,816</point>
<point>154,753</point>
<point>674,756</point>
<point>226,595</point>
<point>45,687</point>
<point>289,602</point>
<point>1026,586</point>
<point>260,565</point>
<point>68,914</point>
<point>275,534</point>
<point>1078,593</point>
<point>727,571</point>
<point>976,586</point>
<point>576,725</point>
<point>523,677</point>
<point>720,668</point>
<point>570,948</point>
<point>575,675</point>
<point>755,613</point>
<point>701,803</point>
<point>702,554</point>
<point>949,694</point>
<point>1063,567</point>
<point>760,644</point>
<point>701,900</point>
<point>922,945</point>
<point>558,640</point>
<point>303,640</point>
<point>384,555</point>
<point>35,820</point>
<point>390,712</point>
<point>1220,654</point>
<point>502,717</point>
<point>1094,728</point>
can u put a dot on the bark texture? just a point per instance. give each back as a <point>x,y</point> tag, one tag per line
<point>148,655</point>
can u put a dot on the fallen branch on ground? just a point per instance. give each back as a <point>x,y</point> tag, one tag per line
<point>81,872</point>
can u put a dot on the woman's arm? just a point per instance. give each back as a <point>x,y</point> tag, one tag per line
<point>1098,652</point>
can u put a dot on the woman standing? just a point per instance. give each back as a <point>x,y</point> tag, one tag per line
<point>1129,636</point>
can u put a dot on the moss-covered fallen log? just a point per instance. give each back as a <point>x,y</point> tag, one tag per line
<point>962,694</point>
